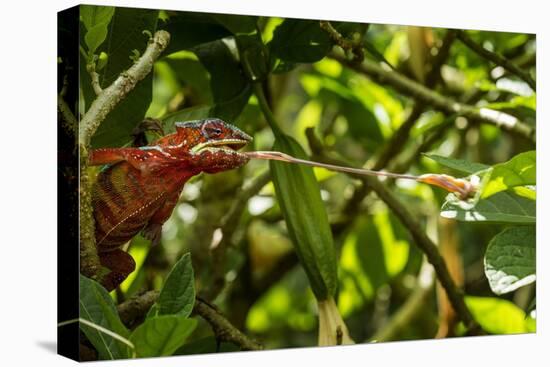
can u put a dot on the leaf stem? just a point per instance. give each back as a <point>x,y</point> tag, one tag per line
<point>266,110</point>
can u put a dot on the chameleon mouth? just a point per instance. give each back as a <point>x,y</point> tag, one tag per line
<point>222,144</point>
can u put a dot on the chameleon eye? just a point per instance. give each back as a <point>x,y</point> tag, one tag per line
<point>213,132</point>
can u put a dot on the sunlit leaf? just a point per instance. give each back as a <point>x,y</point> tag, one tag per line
<point>518,171</point>
<point>510,259</point>
<point>498,316</point>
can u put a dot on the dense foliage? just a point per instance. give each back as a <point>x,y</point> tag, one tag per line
<point>271,245</point>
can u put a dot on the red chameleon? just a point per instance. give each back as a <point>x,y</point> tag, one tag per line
<point>139,187</point>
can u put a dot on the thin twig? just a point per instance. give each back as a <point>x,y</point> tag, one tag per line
<point>137,307</point>
<point>223,329</point>
<point>95,78</point>
<point>348,45</point>
<point>496,59</point>
<point>421,93</point>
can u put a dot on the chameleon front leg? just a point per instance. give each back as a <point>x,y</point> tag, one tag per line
<point>137,158</point>
<point>153,229</point>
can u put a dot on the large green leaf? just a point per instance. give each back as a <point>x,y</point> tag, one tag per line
<point>300,200</point>
<point>230,88</point>
<point>236,24</point>
<point>299,40</point>
<point>96,19</point>
<point>459,165</point>
<point>161,335</point>
<point>125,34</point>
<point>97,306</point>
<point>177,295</point>
<point>504,207</point>
<point>498,316</point>
<point>188,30</point>
<point>510,259</point>
<point>521,170</point>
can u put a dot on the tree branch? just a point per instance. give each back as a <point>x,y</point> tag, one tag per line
<point>223,329</point>
<point>421,93</point>
<point>496,59</point>
<point>137,307</point>
<point>98,111</point>
<point>353,46</point>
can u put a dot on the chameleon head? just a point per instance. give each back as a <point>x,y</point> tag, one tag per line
<point>214,143</point>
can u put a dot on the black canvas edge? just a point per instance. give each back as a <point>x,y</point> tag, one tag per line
<point>68,339</point>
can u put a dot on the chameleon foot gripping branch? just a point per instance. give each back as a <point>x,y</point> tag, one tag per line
<point>464,189</point>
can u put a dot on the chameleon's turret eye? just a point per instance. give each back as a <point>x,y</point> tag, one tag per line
<point>212,129</point>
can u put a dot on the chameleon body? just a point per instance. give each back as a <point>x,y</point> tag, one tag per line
<point>138,188</point>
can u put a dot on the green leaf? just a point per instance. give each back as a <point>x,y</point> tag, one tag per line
<point>510,259</point>
<point>204,345</point>
<point>521,170</point>
<point>188,30</point>
<point>177,295</point>
<point>96,19</point>
<point>237,24</point>
<point>230,88</point>
<point>498,316</point>
<point>161,335</point>
<point>298,40</point>
<point>300,200</point>
<point>459,165</point>
<point>504,207</point>
<point>124,36</point>
<point>97,306</point>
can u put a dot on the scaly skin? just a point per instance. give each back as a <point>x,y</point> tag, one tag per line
<point>139,187</point>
